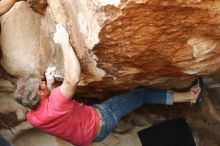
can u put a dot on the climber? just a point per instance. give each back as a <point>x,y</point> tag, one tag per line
<point>59,115</point>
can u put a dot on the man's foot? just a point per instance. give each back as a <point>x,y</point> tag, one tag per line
<point>198,91</point>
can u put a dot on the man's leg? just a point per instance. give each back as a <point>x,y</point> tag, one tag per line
<point>118,106</point>
<point>4,142</point>
<point>123,104</point>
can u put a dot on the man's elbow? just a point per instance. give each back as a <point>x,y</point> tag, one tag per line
<point>73,81</point>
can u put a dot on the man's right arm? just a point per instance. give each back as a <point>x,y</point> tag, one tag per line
<point>6,5</point>
<point>72,68</point>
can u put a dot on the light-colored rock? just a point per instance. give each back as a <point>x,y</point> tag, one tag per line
<point>14,133</point>
<point>6,86</point>
<point>20,41</point>
<point>37,138</point>
<point>8,104</point>
<point>129,139</point>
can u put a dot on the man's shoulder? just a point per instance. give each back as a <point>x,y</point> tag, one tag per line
<point>58,100</point>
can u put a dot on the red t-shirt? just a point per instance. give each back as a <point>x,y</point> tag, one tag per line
<point>65,118</point>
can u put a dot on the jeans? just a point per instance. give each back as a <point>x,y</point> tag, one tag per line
<point>113,109</point>
<point>4,142</point>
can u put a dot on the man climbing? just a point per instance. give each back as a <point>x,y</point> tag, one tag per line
<point>80,124</point>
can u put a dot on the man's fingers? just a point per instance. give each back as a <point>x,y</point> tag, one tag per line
<point>55,38</point>
<point>50,71</point>
<point>56,34</point>
<point>51,68</point>
<point>58,26</point>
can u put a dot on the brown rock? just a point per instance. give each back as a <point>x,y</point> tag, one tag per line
<point>6,86</point>
<point>153,43</point>
<point>38,6</point>
<point>123,44</point>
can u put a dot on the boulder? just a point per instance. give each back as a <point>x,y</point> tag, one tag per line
<point>130,43</point>
<point>120,44</point>
<point>6,86</point>
<point>20,41</point>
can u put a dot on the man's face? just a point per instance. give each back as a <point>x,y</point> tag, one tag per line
<point>43,92</point>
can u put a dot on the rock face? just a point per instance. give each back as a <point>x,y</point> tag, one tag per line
<point>20,41</point>
<point>38,6</point>
<point>6,86</point>
<point>121,44</point>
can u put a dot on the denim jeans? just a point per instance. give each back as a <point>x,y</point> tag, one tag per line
<point>113,109</point>
<point>4,142</point>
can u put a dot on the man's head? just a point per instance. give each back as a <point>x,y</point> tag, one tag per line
<point>26,92</point>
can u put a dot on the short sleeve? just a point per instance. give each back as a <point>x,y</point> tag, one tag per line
<point>58,101</point>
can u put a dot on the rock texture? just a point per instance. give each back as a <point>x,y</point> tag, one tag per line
<point>6,86</point>
<point>121,44</point>
<point>20,41</point>
<point>38,138</point>
<point>9,105</point>
<point>38,6</point>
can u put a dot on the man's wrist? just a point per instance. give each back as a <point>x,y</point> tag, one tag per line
<point>65,45</point>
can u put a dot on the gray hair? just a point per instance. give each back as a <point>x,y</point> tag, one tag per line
<point>26,90</point>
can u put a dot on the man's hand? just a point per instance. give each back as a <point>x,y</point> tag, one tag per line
<point>50,76</point>
<point>61,36</point>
